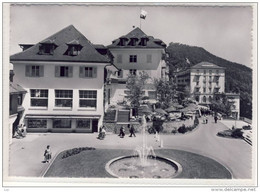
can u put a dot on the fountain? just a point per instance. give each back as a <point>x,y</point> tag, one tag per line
<point>143,163</point>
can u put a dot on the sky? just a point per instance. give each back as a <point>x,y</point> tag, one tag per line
<point>224,31</point>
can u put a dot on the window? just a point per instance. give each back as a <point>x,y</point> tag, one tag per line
<point>88,72</point>
<point>204,99</point>
<point>197,83</point>
<point>61,123</point>
<point>34,71</point>
<point>204,71</point>
<point>120,73</point>
<point>210,99</point>
<point>133,58</point>
<point>119,59</point>
<point>46,49</point>
<point>210,90</point>
<point>63,71</point>
<point>88,99</point>
<point>149,58</point>
<point>83,123</point>
<point>39,97</point>
<point>63,98</point>
<point>74,50</point>
<point>217,71</point>
<point>204,90</point>
<point>132,71</point>
<point>198,71</point>
<point>19,99</point>
<point>210,71</point>
<point>37,123</point>
<point>197,98</point>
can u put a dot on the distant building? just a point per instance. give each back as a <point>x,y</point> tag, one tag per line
<point>203,81</point>
<point>16,110</point>
<point>64,77</point>
<point>133,53</point>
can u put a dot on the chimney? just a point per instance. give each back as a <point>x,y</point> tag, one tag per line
<point>11,75</point>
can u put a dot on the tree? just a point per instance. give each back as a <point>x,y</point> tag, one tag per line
<point>135,84</point>
<point>221,104</point>
<point>166,90</point>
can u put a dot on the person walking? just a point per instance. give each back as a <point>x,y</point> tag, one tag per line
<point>216,118</point>
<point>132,131</point>
<point>122,132</point>
<point>47,154</point>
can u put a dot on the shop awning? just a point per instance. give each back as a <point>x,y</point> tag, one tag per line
<point>33,116</point>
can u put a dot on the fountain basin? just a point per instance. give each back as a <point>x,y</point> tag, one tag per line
<point>155,167</point>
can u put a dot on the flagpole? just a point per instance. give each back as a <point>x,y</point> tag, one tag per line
<point>140,19</point>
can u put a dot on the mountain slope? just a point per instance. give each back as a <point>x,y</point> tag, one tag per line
<point>238,77</point>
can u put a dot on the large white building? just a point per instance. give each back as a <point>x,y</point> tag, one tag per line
<point>204,81</point>
<point>64,78</point>
<point>133,53</point>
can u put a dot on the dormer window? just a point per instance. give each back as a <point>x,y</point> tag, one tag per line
<point>122,41</point>
<point>74,48</point>
<point>47,47</point>
<point>133,41</point>
<point>143,41</point>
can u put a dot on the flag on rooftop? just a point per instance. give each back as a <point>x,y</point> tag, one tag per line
<point>143,14</point>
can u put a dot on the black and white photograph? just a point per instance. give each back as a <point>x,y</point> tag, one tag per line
<point>135,94</point>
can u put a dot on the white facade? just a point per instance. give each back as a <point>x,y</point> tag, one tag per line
<point>147,60</point>
<point>51,83</point>
<point>205,82</point>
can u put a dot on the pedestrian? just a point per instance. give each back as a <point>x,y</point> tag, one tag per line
<point>122,132</point>
<point>47,154</point>
<point>132,131</point>
<point>102,132</point>
<point>216,119</point>
<point>206,119</point>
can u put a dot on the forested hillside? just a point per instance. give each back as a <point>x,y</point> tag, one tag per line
<point>238,77</point>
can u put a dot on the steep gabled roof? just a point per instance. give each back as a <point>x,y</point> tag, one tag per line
<point>204,64</point>
<point>137,33</point>
<point>67,35</point>
<point>15,88</point>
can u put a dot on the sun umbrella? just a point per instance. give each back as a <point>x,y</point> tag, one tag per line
<point>161,111</point>
<point>170,109</point>
<point>177,105</point>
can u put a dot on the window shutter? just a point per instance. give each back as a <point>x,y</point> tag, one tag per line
<point>27,70</point>
<point>41,71</point>
<point>94,72</point>
<point>70,71</point>
<point>81,71</point>
<point>57,71</point>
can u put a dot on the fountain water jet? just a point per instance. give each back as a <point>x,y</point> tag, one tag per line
<point>144,163</point>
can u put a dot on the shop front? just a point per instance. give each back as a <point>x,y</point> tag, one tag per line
<point>62,124</point>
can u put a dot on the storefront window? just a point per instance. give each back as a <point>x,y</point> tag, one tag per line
<point>83,123</point>
<point>37,123</point>
<point>61,123</point>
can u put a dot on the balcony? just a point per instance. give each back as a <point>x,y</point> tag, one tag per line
<point>197,86</point>
<point>217,87</point>
<point>197,92</point>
